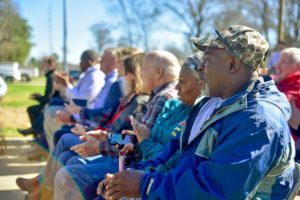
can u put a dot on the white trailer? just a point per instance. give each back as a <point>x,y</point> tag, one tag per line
<point>9,71</point>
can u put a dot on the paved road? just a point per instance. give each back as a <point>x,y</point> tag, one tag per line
<point>14,164</point>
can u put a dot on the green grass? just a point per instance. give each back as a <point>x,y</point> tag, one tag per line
<point>13,107</point>
<point>10,132</point>
<point>17,95</point>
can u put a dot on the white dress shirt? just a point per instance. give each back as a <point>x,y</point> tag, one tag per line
<point>88,86</point>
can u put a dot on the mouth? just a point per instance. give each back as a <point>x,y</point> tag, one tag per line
<point>179,95</point>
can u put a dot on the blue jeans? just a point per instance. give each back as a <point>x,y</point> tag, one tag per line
<point>62,150</point>
<point>59,157</point>
<point>64,130</point>
<point>83,179</point>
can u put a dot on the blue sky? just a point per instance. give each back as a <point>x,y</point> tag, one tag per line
<point>82,14</point>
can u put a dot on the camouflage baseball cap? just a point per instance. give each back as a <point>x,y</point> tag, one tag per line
<point>242,42</point>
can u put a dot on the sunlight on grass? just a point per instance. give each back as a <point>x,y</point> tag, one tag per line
<point>13,107</point>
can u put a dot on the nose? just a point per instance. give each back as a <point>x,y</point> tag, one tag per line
<point>200,70</point>
<point>201,67</point>
<point>177,86</point>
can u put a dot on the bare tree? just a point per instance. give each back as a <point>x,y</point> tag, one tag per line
<point>139,20</point>
<point>260,15</point>
<point>292,22</point>
<point>145,15</point>
<point>190,17</point>
<point>102,36</point>
<point>136,19</point>
<point>263,14</point>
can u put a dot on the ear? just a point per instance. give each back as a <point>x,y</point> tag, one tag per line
<point>235,65</point>
<point>159,72</point>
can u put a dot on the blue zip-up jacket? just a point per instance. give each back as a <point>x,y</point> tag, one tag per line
<point>244,151</point>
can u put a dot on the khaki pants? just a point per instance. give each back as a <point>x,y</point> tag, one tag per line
<point>50,126</point>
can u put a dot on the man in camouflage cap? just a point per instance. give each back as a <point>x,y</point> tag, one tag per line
<point>238,46</point>
<point>244,150</point>
<point>242,42</point>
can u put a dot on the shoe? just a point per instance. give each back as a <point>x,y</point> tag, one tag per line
<point>41,193</point>
<point>28,185</point>
<point>35,156</point>
<point>26,131</point>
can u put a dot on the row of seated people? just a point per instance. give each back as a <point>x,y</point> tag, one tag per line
<point>159,81</point>
<point>180,135</point>
<point>94,86</point>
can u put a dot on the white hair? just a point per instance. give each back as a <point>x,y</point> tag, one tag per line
<point>293,55</point>
<point>165,61</point>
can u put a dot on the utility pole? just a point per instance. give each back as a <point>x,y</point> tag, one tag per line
<point>50,27</point>
<point>65,62</point>
<point>280,31</point>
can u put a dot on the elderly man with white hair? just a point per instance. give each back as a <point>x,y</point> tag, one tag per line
<point>288,82</point>
<point>159,72</point>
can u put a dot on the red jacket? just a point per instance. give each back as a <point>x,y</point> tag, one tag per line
<point>290,86</point>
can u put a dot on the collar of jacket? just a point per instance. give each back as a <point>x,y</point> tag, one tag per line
<point>161,88</point>
<point>48,73</point>
<point>224,111</point>
<point>233,104</point>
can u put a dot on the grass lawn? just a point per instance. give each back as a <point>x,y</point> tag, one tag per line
<point>13,106</point>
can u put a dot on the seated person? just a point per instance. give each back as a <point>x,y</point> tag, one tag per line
<point>34,112</point>
<point>87,88</point>
<point>288,82</point>
<point>40,149</point>
<point>246,140</point>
